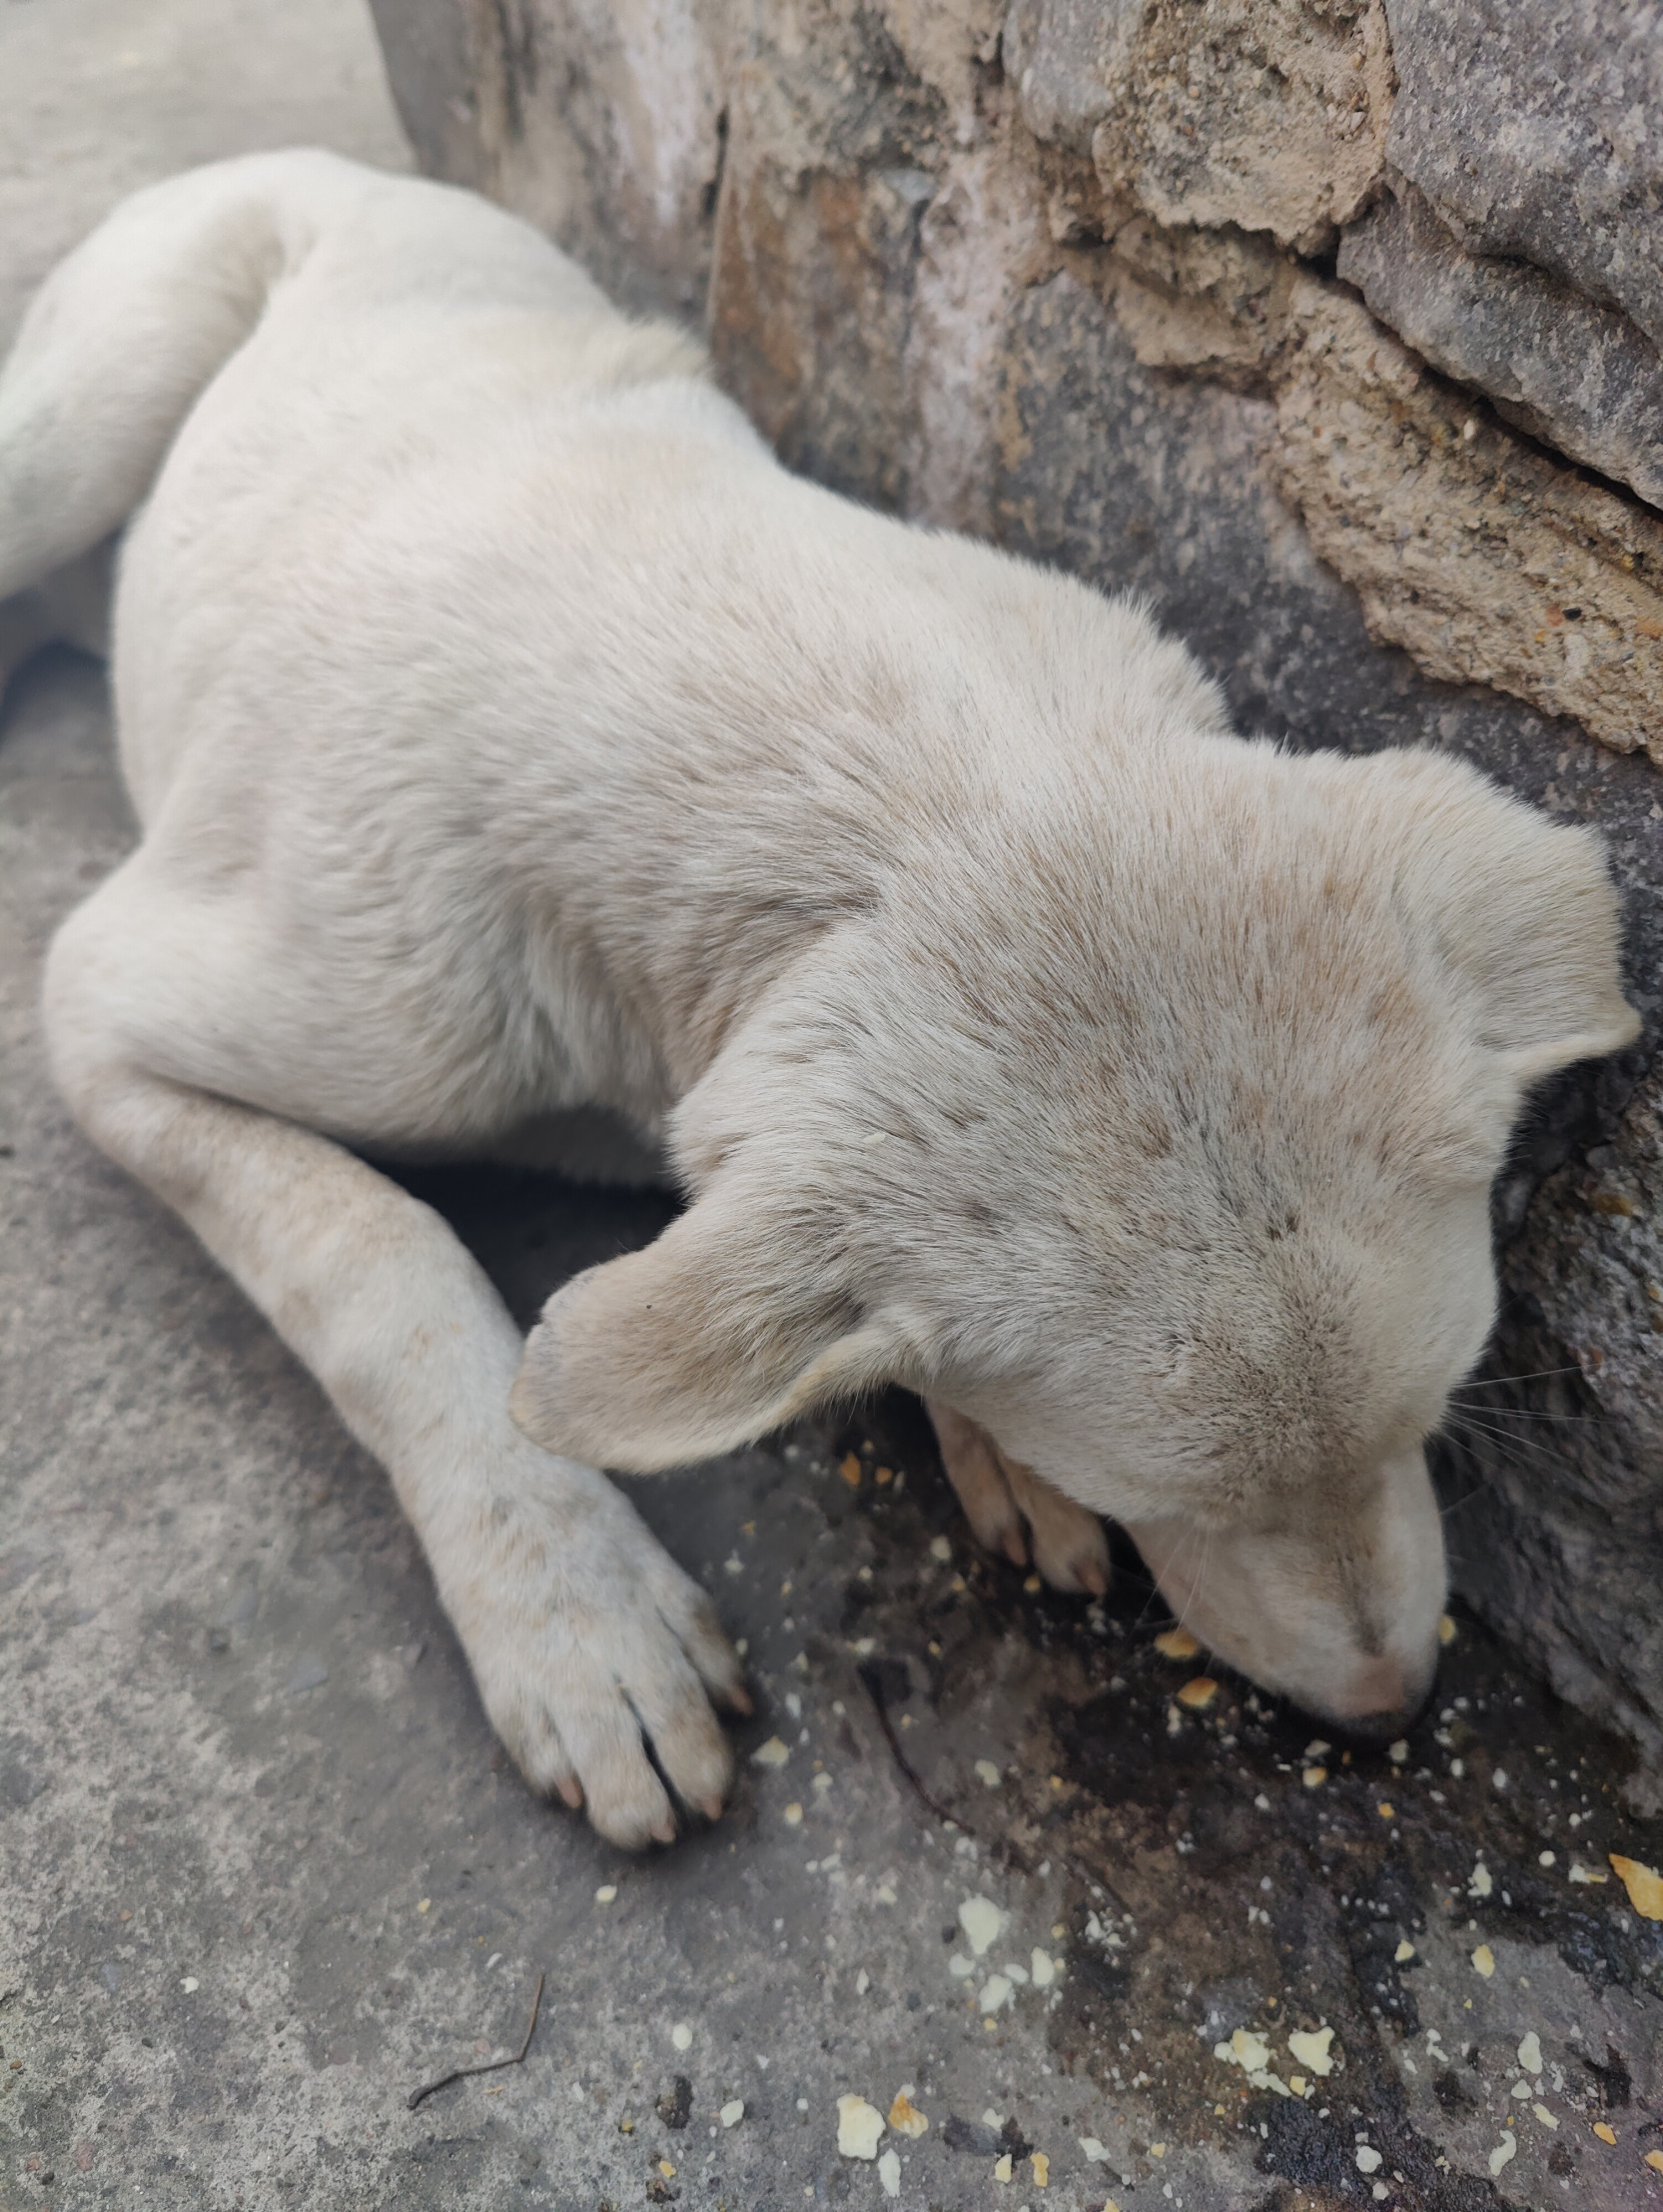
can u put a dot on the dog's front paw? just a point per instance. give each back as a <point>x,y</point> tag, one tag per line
<point>589,1644</point>
<point>1007,1504</point>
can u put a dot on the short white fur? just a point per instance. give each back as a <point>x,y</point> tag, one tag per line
<point>510,733</point>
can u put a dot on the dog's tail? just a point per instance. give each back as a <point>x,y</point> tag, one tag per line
<point>127,331</point>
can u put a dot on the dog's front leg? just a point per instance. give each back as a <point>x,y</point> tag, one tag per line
<point>1002,1499</point>
<point>584,1635</point>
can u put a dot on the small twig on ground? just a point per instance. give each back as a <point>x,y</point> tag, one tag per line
<point>491,2065</point>
<point>872,1682</point>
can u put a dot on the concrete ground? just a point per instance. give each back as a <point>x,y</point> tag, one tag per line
<point>264,1873</point>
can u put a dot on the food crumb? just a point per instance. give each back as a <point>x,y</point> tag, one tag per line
<point>1311,2048</point>
<point>1387,1812</point>
<point>980,1921</point>
<point>1199,1693</point>
<point>1504,2152</point>
<point>889,2173</point>
<point>605,1893</point>
<point>1002,2167</point>
<point>1044,1968</point>
<point>940,1549</point>
<point>1604,2133</point>
<point>1042,2170</point>
<point>1643,1883</point>
<point>859,2125</point>
<point>1446,1628</point>
<point>771,1753</point>
<point>988,1774</point>
<point>733,2112</point>
<point>1177,1643</point>
<point>849,1469</point>
<point>1654,2159</point>
<point>1246,2050</point>
<point>1315,1776</point>
<point>793,1815</point>
<point>1484,1960</point>
<point>1544,2115</point>
<point>905,2117</point>
<point>1368,2159</point>
<point>1404,1953</point>
<point>1530,2052</point>
<point>681,2035</point>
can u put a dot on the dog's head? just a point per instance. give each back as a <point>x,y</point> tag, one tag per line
<point>1157,1137</point>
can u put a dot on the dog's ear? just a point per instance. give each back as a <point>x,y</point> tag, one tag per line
<point>1524,916</point>
<point>694,1346</point>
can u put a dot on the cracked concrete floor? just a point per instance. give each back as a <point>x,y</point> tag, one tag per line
<point>262,1871</point>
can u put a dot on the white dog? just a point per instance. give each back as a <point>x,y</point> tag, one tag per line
<point>510,732</point>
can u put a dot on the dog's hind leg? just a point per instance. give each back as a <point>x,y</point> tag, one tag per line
<point>1008,1506</point>
<point>583,1636</point>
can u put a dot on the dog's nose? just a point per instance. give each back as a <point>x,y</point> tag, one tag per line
<point>1384,1703</point>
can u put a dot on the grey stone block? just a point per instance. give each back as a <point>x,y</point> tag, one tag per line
<point>1532,127</point>
<point>1576,374</point>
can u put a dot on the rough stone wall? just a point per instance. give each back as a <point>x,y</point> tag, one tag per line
<point>1333,326</point>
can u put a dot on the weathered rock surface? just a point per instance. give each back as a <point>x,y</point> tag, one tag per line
<point>1564,367</point>
<point>1271,114</point>
<point>1532,127</point>
<point>1065,273</point>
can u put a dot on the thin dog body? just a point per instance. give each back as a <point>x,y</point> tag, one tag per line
<point>510,733</point>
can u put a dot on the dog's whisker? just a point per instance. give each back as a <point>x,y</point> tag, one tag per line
<point>1508,1446</point>
<point>1535,1375</point>
<point>1528,1413</point>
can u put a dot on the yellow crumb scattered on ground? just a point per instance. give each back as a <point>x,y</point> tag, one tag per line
<point>849,1469</point>
<point>1643,1883</point>
<point>1199,1693</point>
<point>905,2117</point>
<point>1177,1643</point>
